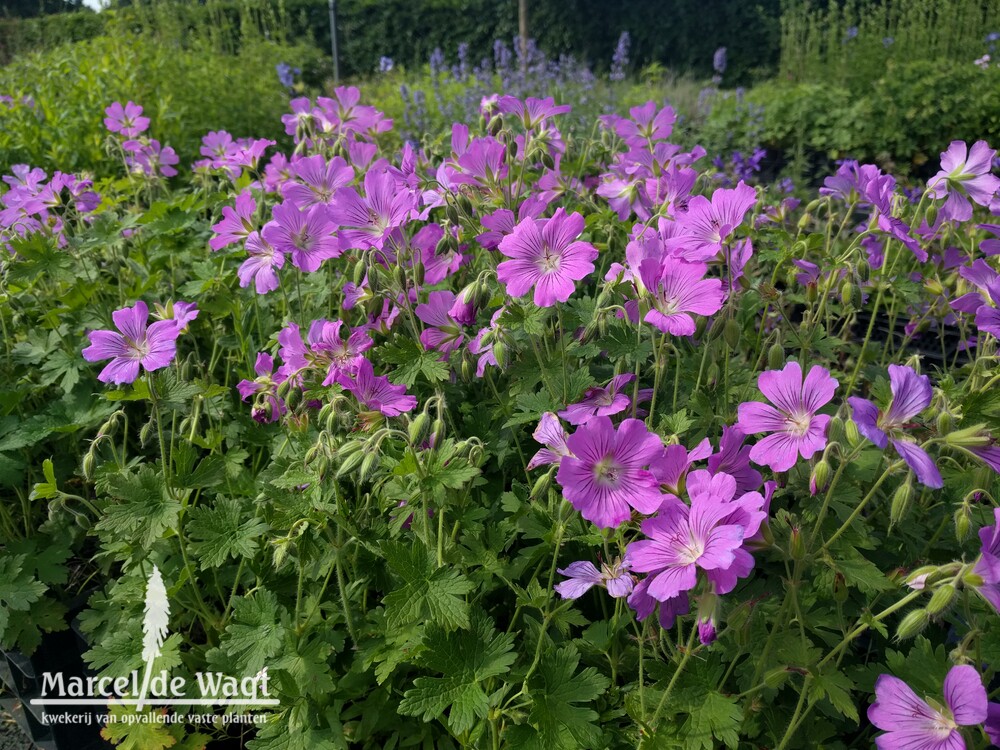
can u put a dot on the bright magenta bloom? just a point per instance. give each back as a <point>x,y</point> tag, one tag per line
<point>551,434</point>
<point>708,224</point>
<point>444,333</point>
<point>604,478</point>
<point>377,393</point>
<point>262,265</point>
<point>911,724</point>
<point>795,426</point>
<point>153,347</point>
<point>546,255</point>
<point>366,222</point>
<point>677,290</point>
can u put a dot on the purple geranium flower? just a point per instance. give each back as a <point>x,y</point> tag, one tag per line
<point>604,478</point>
<point>546,255</point>
<point>306,235</point>
<point>910,723</point>
<point>706,536</point>
<point>603,401</point>
<point>988,565</point>
<point>551,434</point>
<point>261,267</point>
<point>708,224</point>
<point>444,333</point>
<point>678,289</point>
<point>377,393</point>
<point>797,428</point>
<point>126,120</point>
<point>268,407</point>
<point>366,221</point>
<point>911,394</point>
<point>733,458</point>
<point>965,173</point>
<point>153,347</point>
<point>583,576</point>
<point>237,223</point>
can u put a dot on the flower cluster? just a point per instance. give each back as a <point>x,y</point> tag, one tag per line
<point>34,203</point>
<point>144,156</point>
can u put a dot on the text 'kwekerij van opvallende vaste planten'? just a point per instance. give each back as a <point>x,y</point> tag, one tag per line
<point>525,437</point>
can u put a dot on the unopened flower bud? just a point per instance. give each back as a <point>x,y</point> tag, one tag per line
<point>699,328</point>
<point>972,579</point>
<point>864,270</point>
<point>797,545</point>
<point>349,464</point>
<point>368,464</point>
<point>437,432</point>
<point>418,271</point>
<point>912,624</point>
<point>731,333</point>
<point>963,522</point>
<point>835,432</point>
<point>945,422</point>
<point>941,599</point>
<point>820,476</point>
<point>932,213</point>
<point>541,486</point>
<point>495,125</point>
<point>847,293</point>
<point>89,462</point>
<point>812,293</point>
<point>775,356</point>
<point>146,432</point>
<point>853,436</point>
<point>970,437</point>
<point>547,161</point>
<point>360,268</point>
<point>417,427</point>
<point>451,211</point>
<point>713,373</point>
<point>901,500</point>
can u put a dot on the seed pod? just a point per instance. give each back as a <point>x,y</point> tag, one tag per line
<point>836,432</point>
<point>901,500</point>
<point>731,333</point>
<point>912,624</point>
<point>775,356</point>
<point>941,599</point>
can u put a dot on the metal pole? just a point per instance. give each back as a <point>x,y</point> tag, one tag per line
<point>333,40</point>
<point>522,31</point>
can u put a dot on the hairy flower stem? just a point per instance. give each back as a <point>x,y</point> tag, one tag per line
<point>799,716</point>
<point>685,656</point>
<point>861,506</point>
<point>829,494</point>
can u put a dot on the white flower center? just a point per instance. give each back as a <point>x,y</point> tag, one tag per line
<point>798,423</point>
<point>607,472</point>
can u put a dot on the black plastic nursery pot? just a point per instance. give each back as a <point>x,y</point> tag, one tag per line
<point>50,727</point>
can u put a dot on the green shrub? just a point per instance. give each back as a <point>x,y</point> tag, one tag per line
<point>185,90</point>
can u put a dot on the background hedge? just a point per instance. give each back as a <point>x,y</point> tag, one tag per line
<point>681,34</point>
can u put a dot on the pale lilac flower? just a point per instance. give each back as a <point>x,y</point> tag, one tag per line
<point>582,576</point>
<point>237,222</point>
<point>797,428</point>
<point>604,478</point>
<point>551,434</point>
<point>965,173</point>
<point>546,255</point>
<point>910,723</point>
<point>262,265</point>
<point>911,394</point>
<point>126,120</point>
<point>376,392</point>
<point>153,347</point>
